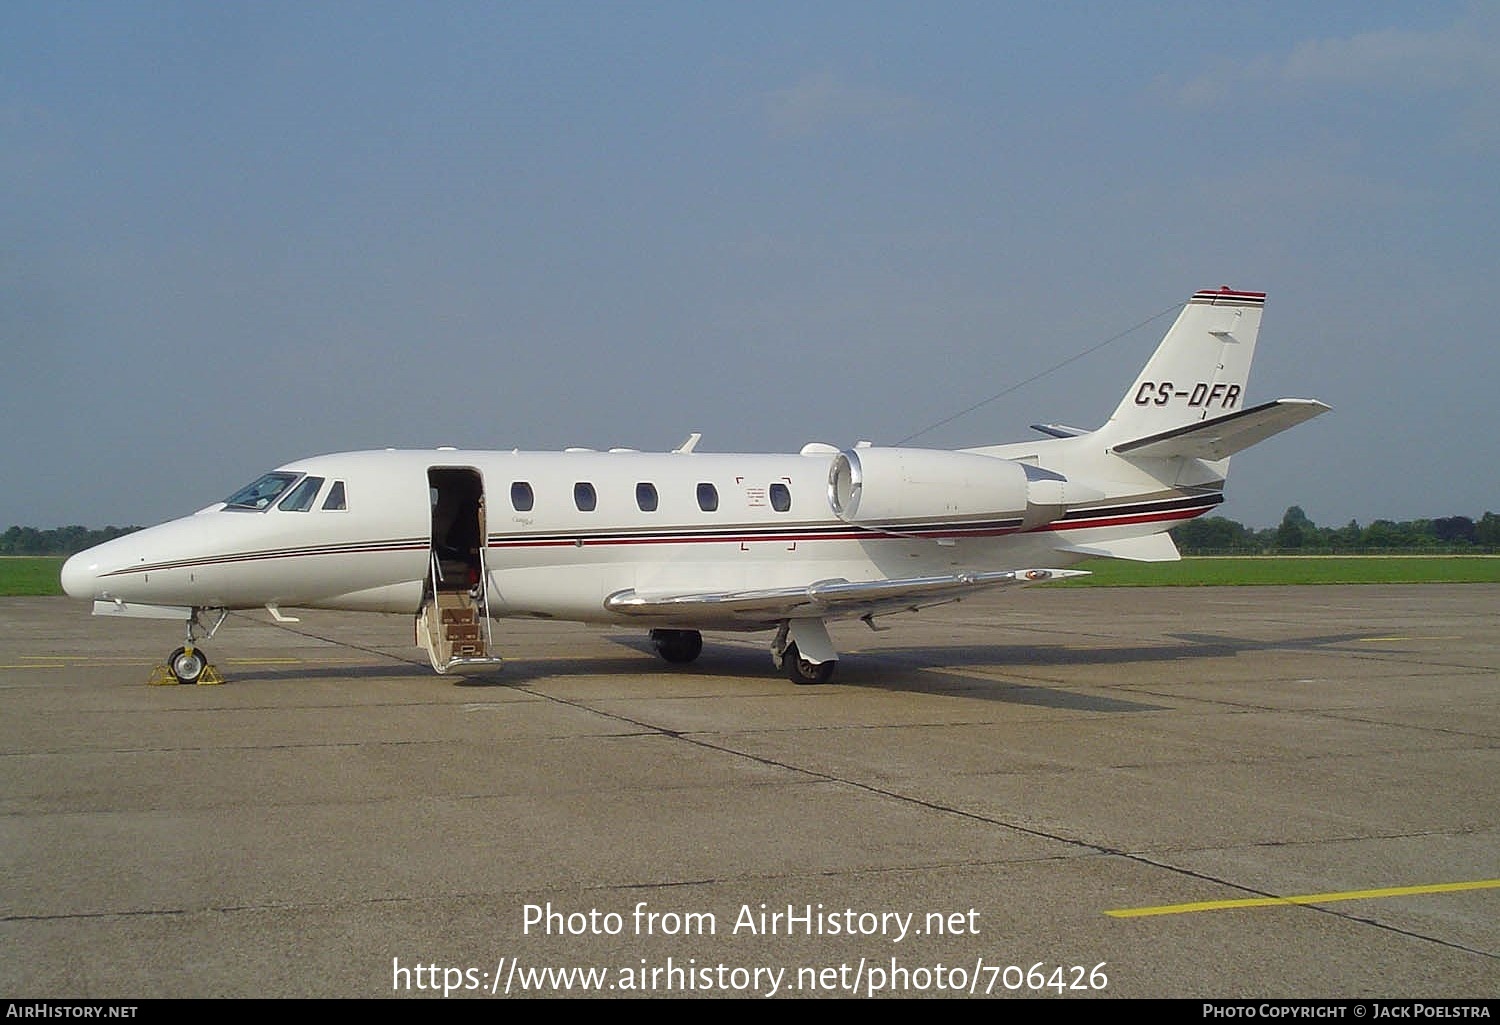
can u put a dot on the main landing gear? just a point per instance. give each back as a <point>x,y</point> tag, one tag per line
<point>801,649</point>
<point>677,646</point>
<point>189,664</point>
<point>800,670</point>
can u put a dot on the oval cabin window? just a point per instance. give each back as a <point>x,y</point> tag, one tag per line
<point>521,497</point>
<point>645,496</point>
<point>584,496</point>
<point>781,497</point>
<point>708,497</point>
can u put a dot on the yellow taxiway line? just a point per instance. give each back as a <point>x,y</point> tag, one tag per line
<point>1308,898</point>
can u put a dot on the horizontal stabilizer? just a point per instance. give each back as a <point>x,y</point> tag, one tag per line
<point>1151,548</point>
<point>835,598</point>
<point>1059,430</point>
<point>1223,436</point>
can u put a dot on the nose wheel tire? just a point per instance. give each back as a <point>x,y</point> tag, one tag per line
<point>187,665</point>
<point>800,670</point>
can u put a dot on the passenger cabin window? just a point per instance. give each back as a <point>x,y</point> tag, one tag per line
<point>645,496</point>
<point>302,496</point>
<point>781,497</point>
<point>521,497</point>
<point>708,497</point>
<point>259,494</point>
<point>335,501</point>
<point>584,497</point>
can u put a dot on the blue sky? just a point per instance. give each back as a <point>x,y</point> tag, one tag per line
<point>234,234</point>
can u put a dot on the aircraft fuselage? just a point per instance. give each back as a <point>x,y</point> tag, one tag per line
<point>740,521</point>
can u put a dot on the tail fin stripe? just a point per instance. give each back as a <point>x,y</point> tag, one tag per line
<point>1228,297</point>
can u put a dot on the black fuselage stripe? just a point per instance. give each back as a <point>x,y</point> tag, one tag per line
<point>740,534</point>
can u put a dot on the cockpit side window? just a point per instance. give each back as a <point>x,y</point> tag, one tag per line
<point>335,501</point>
<point>302,496</point>
<point>260,493</point>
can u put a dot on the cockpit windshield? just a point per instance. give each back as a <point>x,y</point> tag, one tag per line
<point>302,496</point>
<point>261,493</point>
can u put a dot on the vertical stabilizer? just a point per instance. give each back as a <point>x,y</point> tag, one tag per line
<point>1199,371</point>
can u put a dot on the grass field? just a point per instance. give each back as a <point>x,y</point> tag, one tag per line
<point>25,575</point>
<point>1293,569</point>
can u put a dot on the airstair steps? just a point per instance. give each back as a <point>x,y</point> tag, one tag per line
<point>451,627</point>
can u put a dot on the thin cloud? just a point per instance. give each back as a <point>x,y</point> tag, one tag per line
<point>825,102</point>
<point>1460,57</point>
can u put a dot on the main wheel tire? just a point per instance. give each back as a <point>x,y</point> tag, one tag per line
<point>187,666</point>
<point>677,646</point>
<point>799,670</point>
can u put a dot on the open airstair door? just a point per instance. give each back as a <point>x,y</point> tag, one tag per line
<point>454,623</point>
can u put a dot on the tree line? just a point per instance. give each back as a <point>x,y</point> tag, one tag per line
<point>1215,535</point>
<point>57,541</point>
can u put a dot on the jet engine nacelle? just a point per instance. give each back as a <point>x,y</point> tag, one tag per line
<point>884,485</point>
<point>892,485</point>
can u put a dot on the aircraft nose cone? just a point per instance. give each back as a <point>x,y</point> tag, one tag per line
<point>79,575</point>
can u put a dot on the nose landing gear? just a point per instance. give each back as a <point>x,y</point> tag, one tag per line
<point>189,663</point>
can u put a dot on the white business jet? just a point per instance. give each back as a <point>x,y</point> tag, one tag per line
<point>683,541</point>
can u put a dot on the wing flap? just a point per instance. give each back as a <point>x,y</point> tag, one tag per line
<point>837,598</point>
<point>1223,436</point>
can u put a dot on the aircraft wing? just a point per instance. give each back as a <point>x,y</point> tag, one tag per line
<point>1223,436</point>
<point>827,598</point>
